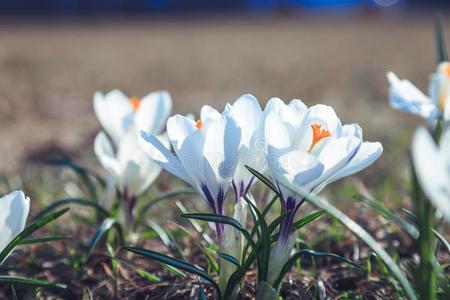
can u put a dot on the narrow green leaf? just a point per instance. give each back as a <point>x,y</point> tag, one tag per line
<point>357,230</point>
<point>440,40</point>
<point>269,206</point>
<point>43,240</point>
<point>66,201</point>
<point>382,210</point>
<point>170,194</point>
<point>179,264</point>
<point>30,282</point>
<point>146,275</point>
<point>302,222</point>
<point>263,179</point>
<point>166,238</point>
<point>288,265</point>
<point>230,259</point>
<point>264,241</point>
<point>224,220</point>
<point>28,231</point>
<point>104,227</point>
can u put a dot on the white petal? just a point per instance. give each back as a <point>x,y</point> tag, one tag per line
<point>247,113</point>
<point>153,112</point>
<point>14,209</point>
<point>298,167</point>
<point>352,130</point>
<point>432,171</point>
<point>138,170</point>
<point>336,154</point>
<point>163,157</point>
<point>114,113</point>
<point>187,140</point>
<point>404,96</point>
<point>221,148</point>
<point>276,133</point>
<point>326,116</point>
<point>207,116</point>
<point>105,155</point>
<point>367,154</point>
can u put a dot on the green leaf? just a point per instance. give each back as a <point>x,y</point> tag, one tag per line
<point>230,259</point>
<point>263,179</point>
<point>288,265</point>
<point>179,264</point>
<point>28,231</point>
<point>382,210</point>
<point>43,240</point>
<point>66,201</point>
<point>146,275</point>
<point>82,172</point>
<point>195,224</point>
<point>30,282</point>
<point>357,230</point>
<point>104,227</point>
<point>440,40</point>
<point>300,223</point>
<point>264,242</point>
<point>143,210</point>
<point>224,220</point>
<point>166,238</point>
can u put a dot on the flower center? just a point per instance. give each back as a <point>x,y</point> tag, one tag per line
<point>198,124</point>
<point>135,103</point>
<point>318,135</point>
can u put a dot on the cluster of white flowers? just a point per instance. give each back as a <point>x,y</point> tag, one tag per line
<point>431,154</point>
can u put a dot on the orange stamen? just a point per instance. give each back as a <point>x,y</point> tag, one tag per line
<point>135,103</point>
<point>318,135</point>
<point>198,124</point>
<point>445,68</point>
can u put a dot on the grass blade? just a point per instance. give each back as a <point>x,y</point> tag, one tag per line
<point>28,231</point>
<point>30,282</point>
<point>143,210</point>
<point>290,263</point>
<point>43,240</point>
<point>358,231</point>
<point>106,225</point>
<point>179,264</point>
<point>440,40</point>
<point>66,201</point>
<point>263,179</point>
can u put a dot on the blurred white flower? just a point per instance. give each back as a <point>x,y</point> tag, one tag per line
<point>406,97</point>
<point>129,167</point>
<point>206,154</point>
<point>432,166</point>
<point>118,149</point>
<point>310,148</point>
<point>117,113</point>
<point>14,209</point>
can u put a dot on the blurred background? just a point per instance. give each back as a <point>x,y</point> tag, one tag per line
<point>54,54</point>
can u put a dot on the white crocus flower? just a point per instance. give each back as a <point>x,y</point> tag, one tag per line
<point>247,113</point>
<point>432,166</point>
<point>117,113</point>
<point>206,154</point>
<point>14,209</point>
<point>406,97</point>
<point>311,148</point>
<point>128,167</point>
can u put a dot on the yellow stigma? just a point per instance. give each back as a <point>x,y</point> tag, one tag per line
<point>318,135</point>
<point>135,103</point>
<point>198,124</point>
